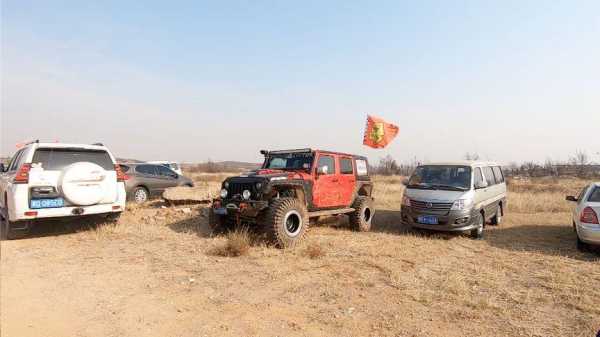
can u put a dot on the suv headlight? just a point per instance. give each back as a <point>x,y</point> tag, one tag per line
<point>462,204</point>
<point>223,193</point>
<point>405,201</point>
<point>246,195</point>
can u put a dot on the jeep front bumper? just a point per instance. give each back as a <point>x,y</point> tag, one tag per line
<point>243,209</point>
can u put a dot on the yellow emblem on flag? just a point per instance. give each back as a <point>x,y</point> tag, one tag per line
<point>378,132</point>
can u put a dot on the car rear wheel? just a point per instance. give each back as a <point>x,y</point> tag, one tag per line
<point>286,222</point>
<point>361,218</point>
<point>477,233</point>
<point>140,195</point>
<point>497,219</point>
<point>582,246</point>
<point>10,230</point>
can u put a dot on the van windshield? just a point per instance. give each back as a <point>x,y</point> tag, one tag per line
<point>441,177</point>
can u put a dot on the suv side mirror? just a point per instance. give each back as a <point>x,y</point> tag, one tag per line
<point>323,170</point>
<point>571,198</point>
<point>481,184</point>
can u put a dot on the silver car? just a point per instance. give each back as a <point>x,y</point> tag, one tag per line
<point>456,197</point>
<point>585,216</point>
<point>148,180</point>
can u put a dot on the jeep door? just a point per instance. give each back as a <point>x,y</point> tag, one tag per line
<point>326,183</point>
<point>347,181</point>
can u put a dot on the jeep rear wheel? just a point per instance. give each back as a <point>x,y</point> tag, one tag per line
<point>361,218</point>
<point>286,222</point>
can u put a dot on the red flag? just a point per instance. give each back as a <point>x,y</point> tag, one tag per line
<point>379,133</point>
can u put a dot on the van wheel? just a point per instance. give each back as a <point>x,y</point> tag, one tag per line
<point>140,195</point>
<point>286,222</point>
<point>497,219</point>
<point>477,233</point>
<point>360,219</point>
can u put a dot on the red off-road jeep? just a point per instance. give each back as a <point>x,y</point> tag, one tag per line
<point>292,187</point>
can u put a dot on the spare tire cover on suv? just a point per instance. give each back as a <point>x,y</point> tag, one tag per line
<point>84,183</point>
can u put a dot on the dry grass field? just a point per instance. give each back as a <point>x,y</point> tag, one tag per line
<point>160,272</point>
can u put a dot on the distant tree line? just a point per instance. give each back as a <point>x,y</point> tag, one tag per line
<point>578,165</point>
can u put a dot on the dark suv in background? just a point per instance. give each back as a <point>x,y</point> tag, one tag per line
<point>150,180</point>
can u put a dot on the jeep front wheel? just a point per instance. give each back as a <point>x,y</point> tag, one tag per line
<point>361,218</point>
<point>287,222</point>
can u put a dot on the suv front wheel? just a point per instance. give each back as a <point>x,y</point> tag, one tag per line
<point>286,222</point>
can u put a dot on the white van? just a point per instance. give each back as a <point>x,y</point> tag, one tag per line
<point>49,180</point>
<point>455,196</point>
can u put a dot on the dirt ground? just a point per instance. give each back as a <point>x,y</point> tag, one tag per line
<point>153,274</point>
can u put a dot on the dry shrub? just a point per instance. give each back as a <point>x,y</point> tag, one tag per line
<point>237,243</point>
<point>314,251</point>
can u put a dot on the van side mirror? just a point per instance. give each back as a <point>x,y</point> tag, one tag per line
<point>571,198</point>
<point>481,184</point>
<point>323,170</point>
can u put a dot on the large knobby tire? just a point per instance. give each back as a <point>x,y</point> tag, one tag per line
<point>361,218</point>
<point>477,233</point>
<point>497,219</point>
<point>286,222</point>
<point>217,223</point>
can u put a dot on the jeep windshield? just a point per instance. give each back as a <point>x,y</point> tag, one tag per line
<point>441,177</point>
<point>289,161</point>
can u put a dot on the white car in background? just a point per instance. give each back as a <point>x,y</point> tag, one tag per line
<point>586,216</point>
<point>50,180</point>
<point>169,164</point>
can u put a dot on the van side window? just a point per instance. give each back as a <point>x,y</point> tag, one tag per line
<point>489,175</point>
<point>498,174</point>
<point>478,177</point>
<point>326,161</point>
<point>346,166</point>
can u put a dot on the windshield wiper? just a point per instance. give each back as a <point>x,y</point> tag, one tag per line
<point>449,187</point>
<point>421,186</point>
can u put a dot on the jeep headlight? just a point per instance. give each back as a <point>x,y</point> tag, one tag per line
<point>405,201</point>
<point>223,193</point>
<point>462,204</point>
<point>246,195</point>
<point>258,186</point>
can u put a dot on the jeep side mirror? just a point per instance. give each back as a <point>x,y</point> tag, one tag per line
<point>323,169</point>
<point>481,184</point>
<point>571,198</point>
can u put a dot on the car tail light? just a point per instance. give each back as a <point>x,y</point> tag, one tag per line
<point>121,176</point>
<point>589,216</point>
<point>22,176</point>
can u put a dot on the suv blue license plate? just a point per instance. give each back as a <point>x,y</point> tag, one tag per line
<point>428,219</point>
<point>47,203</point>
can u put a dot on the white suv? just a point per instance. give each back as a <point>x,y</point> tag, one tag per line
<point>49,180</point>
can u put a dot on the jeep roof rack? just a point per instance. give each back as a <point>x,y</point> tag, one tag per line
<point>286,151</point>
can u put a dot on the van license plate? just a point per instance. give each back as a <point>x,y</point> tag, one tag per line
<point>47,203</point>
<point>428,219</point>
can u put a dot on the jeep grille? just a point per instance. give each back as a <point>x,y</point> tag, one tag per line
<point>237,188</point>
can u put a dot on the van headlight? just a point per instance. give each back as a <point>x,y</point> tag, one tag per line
<point>462,204</point>
<point>246,195</point>
<point>405,201</point>
<point>223,193</point>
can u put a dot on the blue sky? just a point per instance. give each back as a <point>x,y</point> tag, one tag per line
<point>188,81</point>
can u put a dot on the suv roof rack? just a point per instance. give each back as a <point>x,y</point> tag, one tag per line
<point>98,144</point>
